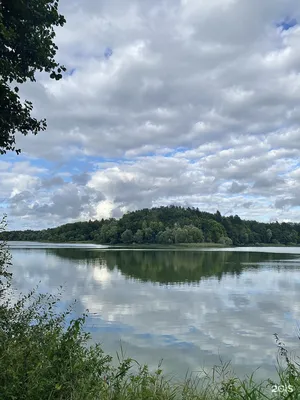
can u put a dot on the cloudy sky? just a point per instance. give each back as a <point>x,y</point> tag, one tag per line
<point>188,102</point>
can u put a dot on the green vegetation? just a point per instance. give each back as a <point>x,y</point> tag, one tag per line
<point>168,226</point>
<point>45,354</point>
<point>26,46</point>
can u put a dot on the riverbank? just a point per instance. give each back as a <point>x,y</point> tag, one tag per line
<point>169,246</point>
<point>161,246</point>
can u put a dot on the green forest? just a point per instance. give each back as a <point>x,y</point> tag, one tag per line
<point>167,225</point>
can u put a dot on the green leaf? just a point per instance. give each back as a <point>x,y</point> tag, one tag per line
<point>25,51</point>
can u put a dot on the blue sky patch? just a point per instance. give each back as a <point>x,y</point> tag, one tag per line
<point>288,316</point>
<point>176,150</point>
<point>287,24</point>
<point>72,71</point>
<point>147,336</point>
<point>108,53</point>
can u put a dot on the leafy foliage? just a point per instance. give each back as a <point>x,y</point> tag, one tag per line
<point>26,46</point>
<point>42,358</point>
<point>168,225</point>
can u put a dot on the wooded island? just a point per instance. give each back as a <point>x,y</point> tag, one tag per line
<point>167,225</point>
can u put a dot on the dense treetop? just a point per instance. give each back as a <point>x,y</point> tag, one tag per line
<point>167,225</point>
<point>26,47</point>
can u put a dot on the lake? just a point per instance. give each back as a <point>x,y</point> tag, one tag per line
<point>189,307</point>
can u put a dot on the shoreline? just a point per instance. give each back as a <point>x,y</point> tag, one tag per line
<point>161,246</point>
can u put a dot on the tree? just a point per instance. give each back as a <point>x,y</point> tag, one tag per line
<point>269,235</point>
<point>218,216</point>
<point>148,235</point>
<point>104,234</point>
<point>180,235</point>
<point>113,232</point>
<point>138,236</point>
<point>244,238</point>
<point>26,46</point>
<point>214,230</point>
<point>225,240</point>
<point>127,236</point>
<point>194,235</point>
<point>165,237</point>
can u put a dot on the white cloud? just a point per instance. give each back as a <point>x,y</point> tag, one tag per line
<point>198,101</point>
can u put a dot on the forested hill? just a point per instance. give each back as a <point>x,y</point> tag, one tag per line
<point>167,225</point>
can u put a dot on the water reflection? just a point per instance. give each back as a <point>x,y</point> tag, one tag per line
<point>184,306</point>
<point>174,266</point>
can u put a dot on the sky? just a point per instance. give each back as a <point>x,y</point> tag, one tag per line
<point>184,102</point>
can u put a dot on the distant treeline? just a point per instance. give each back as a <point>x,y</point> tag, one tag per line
<point>167,225</point>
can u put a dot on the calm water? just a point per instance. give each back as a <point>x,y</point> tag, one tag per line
<point>187,307</point>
